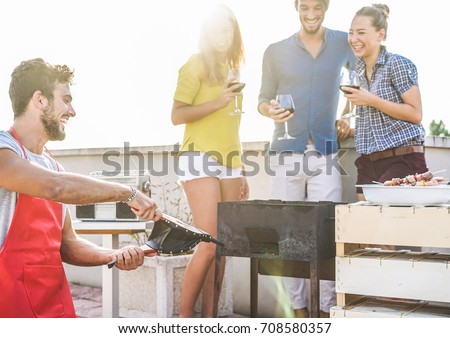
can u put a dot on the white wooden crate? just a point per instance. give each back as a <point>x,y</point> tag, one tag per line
<point>414,276</point>
<point>382,308</point>
<point>393,225</point>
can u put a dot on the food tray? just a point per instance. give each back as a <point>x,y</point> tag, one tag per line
<point>406,195</point>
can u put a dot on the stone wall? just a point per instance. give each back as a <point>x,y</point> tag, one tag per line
<point>168,193</point>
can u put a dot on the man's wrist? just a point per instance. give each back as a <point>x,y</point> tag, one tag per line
<point>132,195</point>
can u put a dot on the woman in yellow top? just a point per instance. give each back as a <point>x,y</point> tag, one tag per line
<point>210,166</point>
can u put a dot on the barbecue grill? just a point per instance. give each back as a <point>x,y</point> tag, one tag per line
<point>294,239</point>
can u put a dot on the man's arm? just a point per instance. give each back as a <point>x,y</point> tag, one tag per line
<point>263,108</point>
<point>24,177</point>
<point>268,88</point>
<point>78,251</point>
<point>267,105</point>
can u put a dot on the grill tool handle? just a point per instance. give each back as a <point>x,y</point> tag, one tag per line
<point>216,241</point>
<point>148,251</point>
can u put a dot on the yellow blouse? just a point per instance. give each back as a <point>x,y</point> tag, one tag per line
<point>216,134</point>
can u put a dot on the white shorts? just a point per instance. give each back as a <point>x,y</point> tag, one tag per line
<point>192,165</point>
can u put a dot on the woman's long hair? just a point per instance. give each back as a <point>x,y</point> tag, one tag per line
<point>213,72</point>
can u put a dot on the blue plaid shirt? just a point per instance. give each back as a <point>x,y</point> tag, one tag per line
<point>375,131</point>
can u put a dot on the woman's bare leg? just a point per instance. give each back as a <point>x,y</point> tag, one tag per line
<point>230,191</point>
<point>202,194</point>
<point>208,289</point>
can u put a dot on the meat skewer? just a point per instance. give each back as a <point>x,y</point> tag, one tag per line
<point>424,179</point>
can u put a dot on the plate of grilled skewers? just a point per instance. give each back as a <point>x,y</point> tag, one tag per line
<point>418,189</point>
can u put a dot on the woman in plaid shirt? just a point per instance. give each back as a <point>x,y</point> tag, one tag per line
<point>388,131</point>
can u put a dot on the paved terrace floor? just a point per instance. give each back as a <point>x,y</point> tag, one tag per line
<point>88,301</point>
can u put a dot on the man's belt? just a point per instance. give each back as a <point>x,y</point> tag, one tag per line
<point>399,151</point>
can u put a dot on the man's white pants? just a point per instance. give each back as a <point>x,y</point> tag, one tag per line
<point>306,177</point>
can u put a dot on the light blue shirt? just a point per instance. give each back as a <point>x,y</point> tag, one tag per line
<point>288,68</point>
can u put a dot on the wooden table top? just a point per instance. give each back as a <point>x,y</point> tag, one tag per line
<point>110,227</point>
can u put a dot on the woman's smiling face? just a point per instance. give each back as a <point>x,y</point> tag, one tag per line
<point>221,35</point>
<point>363,37</point>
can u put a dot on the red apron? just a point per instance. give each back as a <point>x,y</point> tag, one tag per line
<point>32,278</point>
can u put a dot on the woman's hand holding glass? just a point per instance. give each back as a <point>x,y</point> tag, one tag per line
<point>348,84</point>
<point>233,80</point>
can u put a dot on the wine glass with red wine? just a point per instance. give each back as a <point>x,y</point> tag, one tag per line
<point>234,79</point>
<point>349,79</point>
<point>286,102</point>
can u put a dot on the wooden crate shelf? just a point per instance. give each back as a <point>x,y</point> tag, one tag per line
<point>390,225</point>
<point>423,276</point>
<point>364,270</point>
<point>373,307</point>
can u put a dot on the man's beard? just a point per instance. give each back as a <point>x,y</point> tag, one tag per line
<point>52,126</point>
<point>314,30</point>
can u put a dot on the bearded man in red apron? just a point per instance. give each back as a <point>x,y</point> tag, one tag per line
<point>36,233</point>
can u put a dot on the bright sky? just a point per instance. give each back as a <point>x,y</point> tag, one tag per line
<point>126,56</point>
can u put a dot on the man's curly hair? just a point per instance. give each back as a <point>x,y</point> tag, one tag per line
<point>35,75</point>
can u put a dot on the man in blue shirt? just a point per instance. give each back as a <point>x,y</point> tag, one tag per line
<point>306,65</point>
